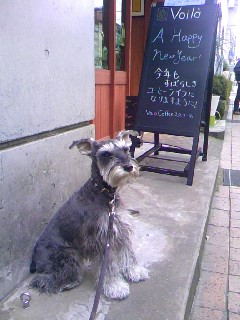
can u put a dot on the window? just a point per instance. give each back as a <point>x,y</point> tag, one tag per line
<point>103,20</point>
<point>101,47</point>
<point>120,34</point>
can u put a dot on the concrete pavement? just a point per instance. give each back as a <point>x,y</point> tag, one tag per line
<point>169,232</point>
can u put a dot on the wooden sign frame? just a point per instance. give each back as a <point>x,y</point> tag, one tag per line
<point>171,126</point>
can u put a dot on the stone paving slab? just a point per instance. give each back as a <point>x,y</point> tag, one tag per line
<point>201,313</point>
<point>211,291</point>
<point>223,268</point>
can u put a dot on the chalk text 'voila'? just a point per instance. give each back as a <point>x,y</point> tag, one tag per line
<point>186,13</point>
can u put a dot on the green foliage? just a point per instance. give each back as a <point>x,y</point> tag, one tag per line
<point>221,108</point>
<point>225,66</point>
<point>221,87</point>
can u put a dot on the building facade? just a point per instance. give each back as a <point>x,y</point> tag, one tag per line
<point>233,29</point>
<point>47,100</point>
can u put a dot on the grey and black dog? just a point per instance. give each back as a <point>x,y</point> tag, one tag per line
<point>78,230</point>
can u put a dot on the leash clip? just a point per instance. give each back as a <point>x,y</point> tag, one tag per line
<point>25,297</point>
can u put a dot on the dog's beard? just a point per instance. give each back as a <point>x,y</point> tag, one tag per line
<point>116,176</point>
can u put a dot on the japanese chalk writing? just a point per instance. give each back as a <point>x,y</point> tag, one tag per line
<point>172,90</point>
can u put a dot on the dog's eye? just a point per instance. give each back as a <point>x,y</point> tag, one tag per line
<point>106,154</point>
<point>126,150</point>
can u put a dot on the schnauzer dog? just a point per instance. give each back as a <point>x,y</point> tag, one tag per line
<point>78,230</point>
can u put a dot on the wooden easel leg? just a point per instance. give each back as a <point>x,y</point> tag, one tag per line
<point>156,142</point>
<point>133,146</point>
<point>192,161</point>
<point>205,141</point>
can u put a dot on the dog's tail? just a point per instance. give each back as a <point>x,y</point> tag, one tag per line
<point>44,283</point>
<point>51,283</point>
<point>68,275</point>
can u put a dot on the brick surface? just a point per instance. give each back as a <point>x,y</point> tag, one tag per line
<point>234,302</point>
<point>211,291</point>
<point>235,204</point>
<point>234,316</point>
<point>234,283</point>
<point>235,232</point>
<point>235,254</point>
<point>234,195</point>
<point>215,259</point>
<point>234,242</point>
<point>234,267</point>
<point>235,223</point>
<point>221,203</point>
<point>226,164</point>
<point>218,293</point>
<point>199,313</point>
<point>234,191</point>
<point>218,236</point>
<point>223,192</point>
<point>236,153</point>
<point>219,218</point>
<point>235,165</point>
<point>226,153</point>
<point>235,214</point>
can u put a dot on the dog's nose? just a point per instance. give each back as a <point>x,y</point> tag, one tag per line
<point>128,168</point>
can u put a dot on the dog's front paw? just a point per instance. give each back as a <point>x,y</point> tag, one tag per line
<point>116,288</point>
<point>136,274</point>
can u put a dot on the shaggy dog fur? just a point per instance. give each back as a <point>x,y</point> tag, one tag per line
<point>78,231</point>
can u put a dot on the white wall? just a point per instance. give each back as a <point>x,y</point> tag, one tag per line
<point>46,82</point>
<point>46,65</point>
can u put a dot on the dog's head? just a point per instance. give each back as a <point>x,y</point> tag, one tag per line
<point>112,157</point>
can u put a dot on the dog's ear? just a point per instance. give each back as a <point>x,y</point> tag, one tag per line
<point>124,135</point>
<point>85,146</point>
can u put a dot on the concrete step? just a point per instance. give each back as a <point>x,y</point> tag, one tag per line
<point>218,131</point>
<point>169,232</point>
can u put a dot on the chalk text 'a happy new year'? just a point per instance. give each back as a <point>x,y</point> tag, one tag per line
<point>179,37</point>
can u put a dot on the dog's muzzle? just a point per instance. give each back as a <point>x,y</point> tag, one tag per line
<point>119,175</point>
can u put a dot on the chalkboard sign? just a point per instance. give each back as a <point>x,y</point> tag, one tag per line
<point>175,69</point>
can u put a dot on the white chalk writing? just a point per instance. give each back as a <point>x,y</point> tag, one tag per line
<point>159,36</point>
<point>172,89</point>
<point>175,58</point>
<point>168,114</point>
<point>192,40</point>
<point>184,13</point>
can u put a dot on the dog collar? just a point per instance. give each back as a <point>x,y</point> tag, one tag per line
<point>105,189</point>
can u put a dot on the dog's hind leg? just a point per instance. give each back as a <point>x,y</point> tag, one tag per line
<point>66,273</point>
